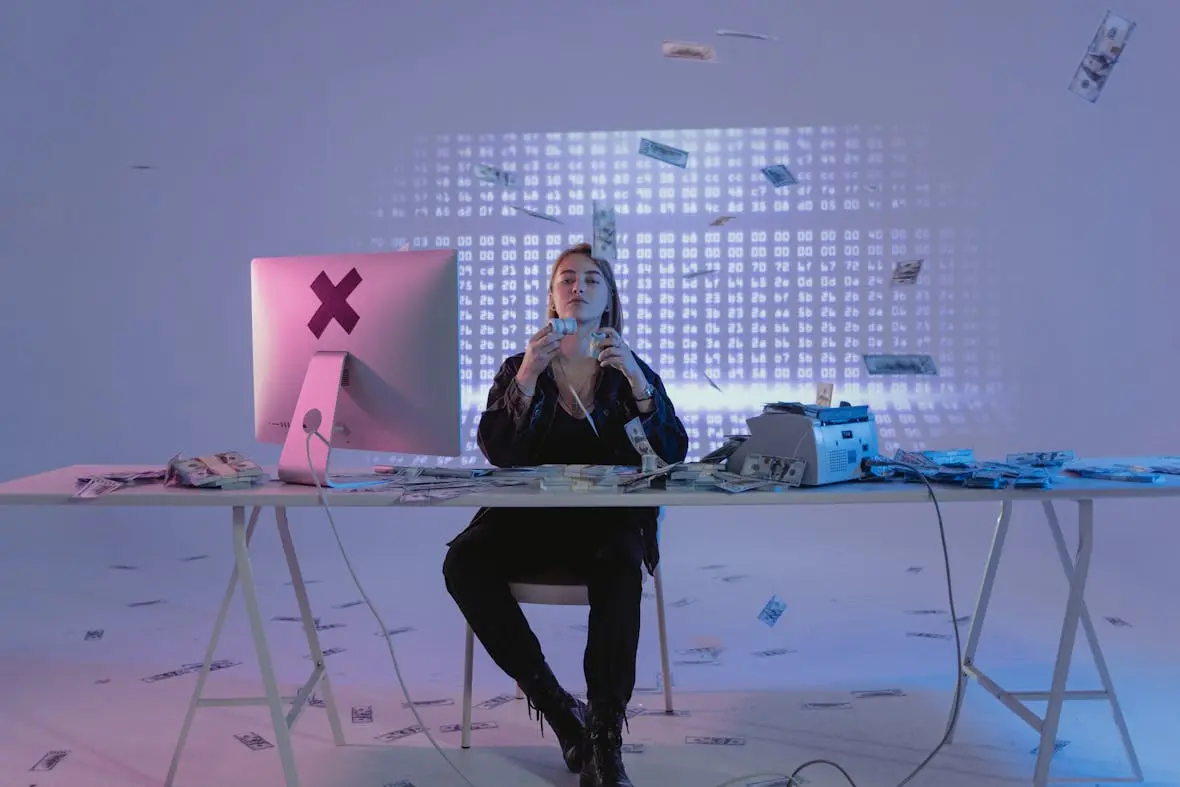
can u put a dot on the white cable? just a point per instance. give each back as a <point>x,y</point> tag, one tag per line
<point>956,701</point>
<point>384,630</point>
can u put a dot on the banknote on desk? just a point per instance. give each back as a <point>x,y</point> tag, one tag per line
<point>226,470</point>
<point>91,486</point>
<point>779,469</point>
<point>1041,458</point>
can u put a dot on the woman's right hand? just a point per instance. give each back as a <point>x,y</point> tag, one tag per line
<point>539,351</point>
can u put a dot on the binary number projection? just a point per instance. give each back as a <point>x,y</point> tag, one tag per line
<point>788,293</point>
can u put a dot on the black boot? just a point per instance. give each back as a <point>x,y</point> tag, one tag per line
<point>565,714</point>
<point>603,765</point>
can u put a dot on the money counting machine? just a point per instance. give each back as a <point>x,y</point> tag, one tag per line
<point>832,440</point>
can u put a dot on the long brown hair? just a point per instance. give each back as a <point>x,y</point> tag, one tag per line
<point>612,317</point>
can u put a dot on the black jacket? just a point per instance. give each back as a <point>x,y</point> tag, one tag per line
<point>512,431</point>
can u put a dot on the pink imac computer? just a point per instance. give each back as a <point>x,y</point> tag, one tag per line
<point>361,348</point>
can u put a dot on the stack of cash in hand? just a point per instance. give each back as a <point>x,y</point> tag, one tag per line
<point>227,470</point>
<point>91,486</point>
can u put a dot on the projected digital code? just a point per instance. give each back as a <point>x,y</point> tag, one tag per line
<point>787,293</point>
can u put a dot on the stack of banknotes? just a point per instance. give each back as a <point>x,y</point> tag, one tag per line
<point>226,470</point>
<point>91,486</point>
<point>961,468</point>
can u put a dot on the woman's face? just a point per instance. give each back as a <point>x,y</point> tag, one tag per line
<point>580,290</point>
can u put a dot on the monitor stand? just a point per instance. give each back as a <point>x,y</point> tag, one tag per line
<point>318,397</point>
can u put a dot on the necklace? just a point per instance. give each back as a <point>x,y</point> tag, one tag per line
<point>574,397</point>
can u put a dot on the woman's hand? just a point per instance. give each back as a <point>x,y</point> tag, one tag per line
<point>615,353</point>
<point>539,351</point>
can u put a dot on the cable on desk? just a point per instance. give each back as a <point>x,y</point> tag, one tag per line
<point>368,602</point>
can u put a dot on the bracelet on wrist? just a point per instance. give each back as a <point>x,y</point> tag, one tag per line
<point>527,392</point>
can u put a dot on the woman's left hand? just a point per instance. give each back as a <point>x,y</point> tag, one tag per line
<point>615,353</point>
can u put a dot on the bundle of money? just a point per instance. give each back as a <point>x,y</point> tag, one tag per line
<point>227,470</point>
<point>1041,458</point>
<point>1104,51</point>
<point>734,484</point>
<point>719,455</point>
<point>957,456</point>
<point>1116,473</point>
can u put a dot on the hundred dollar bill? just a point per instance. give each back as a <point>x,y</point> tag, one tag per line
<point>1040,458</point>
<point>499,177</point>
<point>780,469</point>
<point>705,272</point>
<point>721,221</point>
<point>535,214</point>
<point>906,272</point>
<point>603,245</point>
<point>734,484</point>
<point>900,364</point>
<point>823,394</point>
<point>779,175</point>
<point>1104,51</point>
<point>665,153</point>
<point>639,440</point>
<point>711,740</point>
<point>97,487</point>
<point>687,50</point>
<point>740,34</point>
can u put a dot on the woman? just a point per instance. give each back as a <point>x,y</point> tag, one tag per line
<point>537,414</point>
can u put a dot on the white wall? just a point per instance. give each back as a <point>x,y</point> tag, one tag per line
<point>125,298</point>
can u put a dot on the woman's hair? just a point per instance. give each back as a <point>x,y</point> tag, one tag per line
<point>613,316</point>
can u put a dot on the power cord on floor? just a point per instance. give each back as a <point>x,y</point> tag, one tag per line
<point>369,602</point>
<point>955,703</point>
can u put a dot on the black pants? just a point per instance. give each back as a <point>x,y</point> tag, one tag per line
<point>510,544</point>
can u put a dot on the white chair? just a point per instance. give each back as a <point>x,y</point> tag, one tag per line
<point>561,588</point>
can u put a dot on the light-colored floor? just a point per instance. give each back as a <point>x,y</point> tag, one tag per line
<point>846,575</point>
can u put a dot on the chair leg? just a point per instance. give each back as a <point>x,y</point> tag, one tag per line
<point>665,665</point>
<point>468,669</point>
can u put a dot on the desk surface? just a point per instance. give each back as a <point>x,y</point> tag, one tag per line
<point>56,487</point>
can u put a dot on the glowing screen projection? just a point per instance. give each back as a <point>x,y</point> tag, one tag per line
<point>732,313</point>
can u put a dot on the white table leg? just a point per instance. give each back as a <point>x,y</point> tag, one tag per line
<point>977,617</point>
<point>265,664</point>
<point>1069,631</point>
<point>309,628</point>
<point>665,667</point>
<point>1095,650</point>
<point>198,692</point>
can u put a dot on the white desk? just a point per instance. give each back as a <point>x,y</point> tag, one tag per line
<point>55,488</point>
